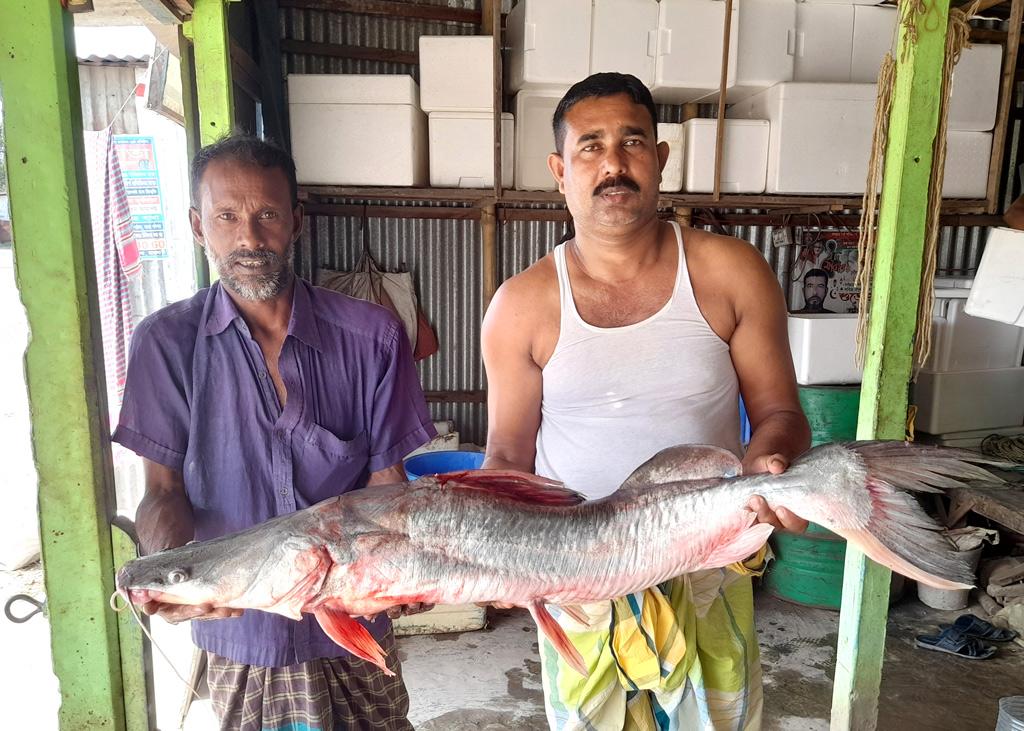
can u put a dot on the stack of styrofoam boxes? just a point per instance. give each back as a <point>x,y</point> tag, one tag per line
<point>457,92</point>
<point>973,379</point>
<point>972,116</point>
<point>672,173</point>
<point>357,129</point>
<point>744,157</point>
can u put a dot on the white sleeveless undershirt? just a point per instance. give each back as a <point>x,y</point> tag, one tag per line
<point>613,397</point>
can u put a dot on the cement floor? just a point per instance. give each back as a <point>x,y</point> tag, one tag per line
<point>490,680</point>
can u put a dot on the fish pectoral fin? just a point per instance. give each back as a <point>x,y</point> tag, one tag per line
<point>352,636</point>
<point>576,612</point>
<point>556,635</point>
<point>738,546</point>
<point>520,486</point>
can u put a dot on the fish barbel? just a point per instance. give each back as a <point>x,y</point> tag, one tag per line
<point>510,537</point>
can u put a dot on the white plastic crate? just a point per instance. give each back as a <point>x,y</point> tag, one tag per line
<point>820,135</point>
<point>549,43</point>
<point>874,35</point>
<point>744,159</point>
<point>975,96</point>
<point>765,46</point>
<point>672,175</point>
<point>824,42</point>
<point>967,158</point>
<point>824,349</point>
<point>689,64</point>
<point>357,129</point>
<point>967,439</point>
<point>998,291</point>
<point>534,138</point>
<point>624,37</point>
<point>967,400</point>
<point>456,74</point>
<point>962,342</point>
<point>462,149</point>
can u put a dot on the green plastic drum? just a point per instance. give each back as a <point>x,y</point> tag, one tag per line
<point>808,569</point>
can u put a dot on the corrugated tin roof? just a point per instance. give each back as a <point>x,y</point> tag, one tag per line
<point>111,60</point>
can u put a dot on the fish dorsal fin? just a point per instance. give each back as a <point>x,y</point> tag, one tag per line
<point>685,462</point>
<point>515,485</point>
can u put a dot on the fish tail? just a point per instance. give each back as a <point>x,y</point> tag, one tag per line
<point>884,519</point>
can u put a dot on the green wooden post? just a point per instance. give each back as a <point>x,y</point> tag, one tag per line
<point>883,405</point>
<point>63,364</point>
<point>208,30</point>
<point>192,143</point>
<point>135,663</point>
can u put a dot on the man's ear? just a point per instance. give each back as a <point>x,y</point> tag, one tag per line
<point>663,151</point>
<point>298,219</point>
<point>196,222</point>
<point>557,167</point>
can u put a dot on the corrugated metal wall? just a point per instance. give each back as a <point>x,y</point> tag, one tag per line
<point>445,255</point>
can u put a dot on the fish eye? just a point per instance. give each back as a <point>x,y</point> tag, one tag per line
<point>177,576</point>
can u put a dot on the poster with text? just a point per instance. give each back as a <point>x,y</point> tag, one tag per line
<point>137,156</point>
<point>823,278</point>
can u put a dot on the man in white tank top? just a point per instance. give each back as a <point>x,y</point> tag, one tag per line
<point>633,336</point>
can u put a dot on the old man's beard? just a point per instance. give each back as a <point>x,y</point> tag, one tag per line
<point>260,285</point>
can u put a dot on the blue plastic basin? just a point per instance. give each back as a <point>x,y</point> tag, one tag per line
<point>434,463</point>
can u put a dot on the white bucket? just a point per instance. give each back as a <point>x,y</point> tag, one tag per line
<point>949,598</point>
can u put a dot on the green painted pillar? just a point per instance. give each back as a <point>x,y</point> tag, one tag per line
<point>63,364</point>
<point>192,143</point>
<point>883,405</point>
<point>208,30</point>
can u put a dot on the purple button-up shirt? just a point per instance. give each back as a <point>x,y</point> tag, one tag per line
<point>199,399</point>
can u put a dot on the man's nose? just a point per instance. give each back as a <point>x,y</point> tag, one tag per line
<point>250,234</point>
<point>614,162</point>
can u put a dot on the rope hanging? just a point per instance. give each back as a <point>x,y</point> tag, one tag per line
<point>957,39</point>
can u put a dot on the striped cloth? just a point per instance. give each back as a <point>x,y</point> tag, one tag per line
<point>676,657</point>
<point>116,253</point>
<point>332,694</point>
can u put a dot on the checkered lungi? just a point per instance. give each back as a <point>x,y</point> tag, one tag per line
<point>321,695</point>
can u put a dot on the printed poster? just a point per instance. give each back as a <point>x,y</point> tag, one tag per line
<point>137,155</point>
<point>824,273</point>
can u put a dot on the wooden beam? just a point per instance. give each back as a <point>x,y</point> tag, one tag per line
<point>389,8</point>
<point>489,257</point>
<point>361,53</point>
<point>461,212</point>
<point>55,272</point>
<point>913,122</point>
<point>1006,96</point>
<point>723,83</point>
<point>209,33</point>
<point>455,397</point>
<point>245,72</point>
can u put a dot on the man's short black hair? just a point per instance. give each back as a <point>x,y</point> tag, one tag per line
<point>245,149</point>
<point>816,273</point>
<point>607,83</point>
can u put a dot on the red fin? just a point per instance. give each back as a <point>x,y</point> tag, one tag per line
<point>351,635</point>
<point>516,485</point>
<point>576,612</point>
<point>739,546</point>
<point>556,636</point>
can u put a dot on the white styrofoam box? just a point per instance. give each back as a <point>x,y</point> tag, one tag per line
<point>967,157</point>
<point>462,149</point>
<point>744,158</point>
<point>998,291</point>
<point>967,439</point>
<point>534,138</point>
<point>824,42</point>
<point>824,349</point>
<point>549,43</point>
<point>962,342</point>
<point>672,175</point>
<point>376,132</point>
<point>456,73</point>
<point>765,45</point>
<point>689,64</point>
<point>975,96</point>
<point>966,400</point>
<point>624,38</point>
<point>874,35</point>
<point>820,135</point>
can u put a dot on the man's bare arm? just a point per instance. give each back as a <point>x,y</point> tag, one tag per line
<point>514,381</point>
<point>388,476</point>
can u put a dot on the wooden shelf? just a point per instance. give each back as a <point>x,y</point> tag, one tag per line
<point>475,198</point>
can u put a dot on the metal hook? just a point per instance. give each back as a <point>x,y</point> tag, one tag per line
<point>39,608</point>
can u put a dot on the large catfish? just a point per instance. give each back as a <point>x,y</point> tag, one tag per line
<point>493,536</point>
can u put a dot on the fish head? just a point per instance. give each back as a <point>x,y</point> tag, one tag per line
<point>256,569</point>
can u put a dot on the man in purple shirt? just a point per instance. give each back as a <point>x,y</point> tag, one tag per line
<point>259,396</point>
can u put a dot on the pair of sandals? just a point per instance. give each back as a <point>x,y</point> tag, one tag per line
<point>966,638</point>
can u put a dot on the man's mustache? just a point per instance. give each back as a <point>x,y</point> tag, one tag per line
<point>619,181</point>
<point>250,254</point>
